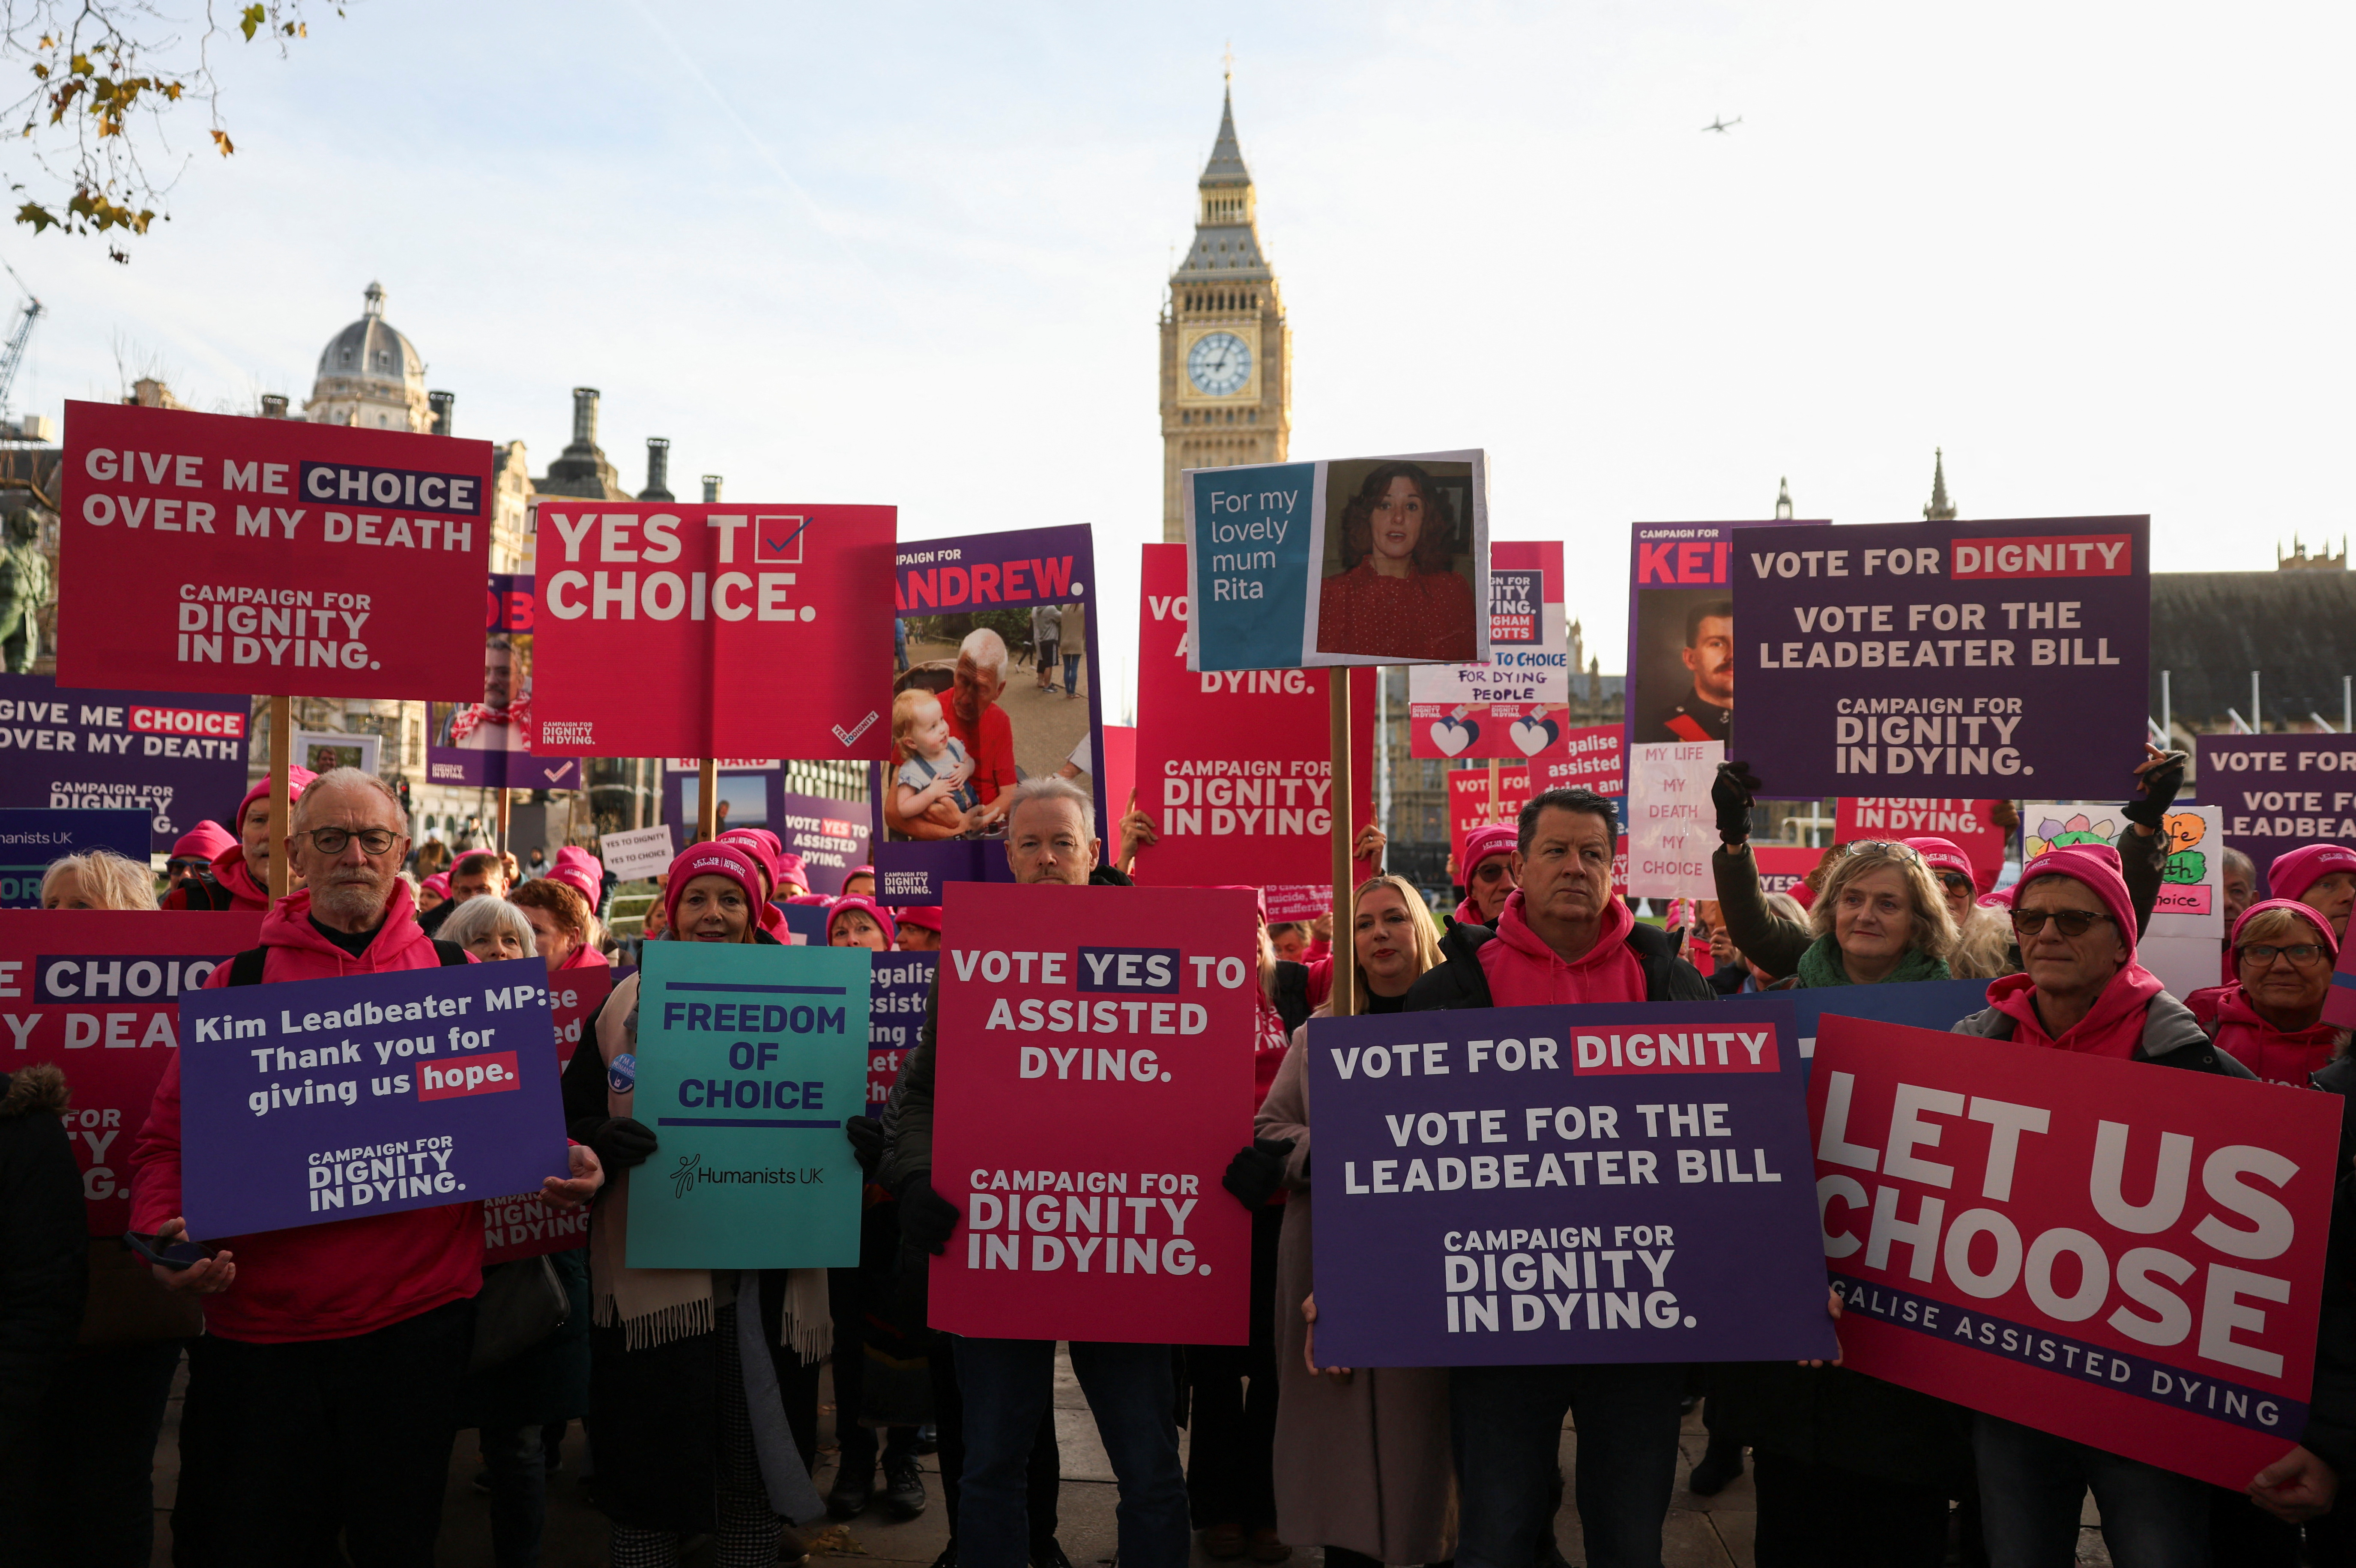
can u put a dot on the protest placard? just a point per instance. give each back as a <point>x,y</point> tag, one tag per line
<point>640,853</point>
<point>2128,1257</point>
<point>896,1011</point>
<point>1681,631</point>
<point>1089,1172</point>
<point>1506,708</point>
<point>1360,561</point>
<point>1472,805</point>
<point>202,552</point>
<point>830,836</point>
<point>1918,1004</point>
<point>1671,828</point>
<point>1297,901</point>
<point>1968,825</point>
<point>98,993</point>
<point>317,1100</point>
<point>1520,1186</point>
<point>2278,792</point>
<point>1118,747</point>
<point>488,741</point>
<point>33,837</point>
<point>1234,766</point>
<point>178,756</point>
<point>698,630</point>
<point>1982,654</point>
<point>749,1061</point>
<point>320,750</point>
<point>573,998</point>
<point>1000,677</point>
<point>1783,868</point>
<point>520,1225</point>
<point>1593,758</point>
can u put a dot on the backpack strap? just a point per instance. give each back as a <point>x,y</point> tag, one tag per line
<point>450,952</point>
<point>245,969</point>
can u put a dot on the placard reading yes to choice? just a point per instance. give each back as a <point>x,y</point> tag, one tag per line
<point>1357,560</point>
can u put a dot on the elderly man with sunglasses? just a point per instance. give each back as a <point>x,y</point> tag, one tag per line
<point>2083,991</point>
<point>322,1397</point>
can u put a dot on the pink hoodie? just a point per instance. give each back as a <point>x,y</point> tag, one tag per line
<point>1523,972</point>
<point>348,1277</point>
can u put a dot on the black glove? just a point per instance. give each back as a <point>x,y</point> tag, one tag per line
<point>1731,792</point>
<point>925,1217</point>
<point>1255,1174</point>
<point>2159,790</point>
<point>620,1143</point>
<point>866,1135</point>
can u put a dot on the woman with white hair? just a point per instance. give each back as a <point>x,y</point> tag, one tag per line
<point>99,880</point>
<point>491,929</point>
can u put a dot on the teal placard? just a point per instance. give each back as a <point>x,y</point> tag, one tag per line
<point>749,1061</point>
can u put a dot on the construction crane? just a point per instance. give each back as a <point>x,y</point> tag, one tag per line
<point>13,355</point>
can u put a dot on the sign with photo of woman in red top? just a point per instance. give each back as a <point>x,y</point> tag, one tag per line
<point>1398,592</point>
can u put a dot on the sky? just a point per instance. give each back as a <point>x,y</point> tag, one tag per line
<point>914,254</point>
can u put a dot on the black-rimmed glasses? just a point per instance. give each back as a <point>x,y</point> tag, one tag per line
<point>374,841</point>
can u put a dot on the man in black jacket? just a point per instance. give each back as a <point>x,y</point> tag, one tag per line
<point>44,1273</point>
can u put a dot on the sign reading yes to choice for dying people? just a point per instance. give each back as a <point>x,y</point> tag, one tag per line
<point>1950,655</point>
<point>318,1099</point>
<point>749,1061</point>
<point>1517,1186</point>
<point>98,993</point>
<point>2127,1257</point>
<point>1358,561</point>
<point>1499,709</point>
<point>1092,1084</point>
<point>203,552</point>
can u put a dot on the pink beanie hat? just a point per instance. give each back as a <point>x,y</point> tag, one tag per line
<point>1941,854</point>
<point>1491,838</point>
<point>297,781</point>
<point>205,840</point>
<point>2291,875</point>
<point>580,870</point>
<point>791,872</point>
<point>2312,917</point>
<point>710,859</point>
<point>2097,867</point>
<point>873,910</point>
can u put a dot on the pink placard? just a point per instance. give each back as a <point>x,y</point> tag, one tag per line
<point>1093,1081</point>
<point>1964,822</point>
<point>2126,1255</point>
<point>98,992</point>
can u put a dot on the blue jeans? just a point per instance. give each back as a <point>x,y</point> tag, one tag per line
<point>2033,1484</point>
<point>517,1457</point>
<point>1071,672</point>
<point>1508,1436</point>
<point>1132,1391</point>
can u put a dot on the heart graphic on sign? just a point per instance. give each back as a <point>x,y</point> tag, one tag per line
<point>1534,735</point>
<point>1451,735</point>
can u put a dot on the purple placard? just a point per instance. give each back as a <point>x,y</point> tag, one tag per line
<point>2278,792</point>
<point>178,756</point>
<point>949,589</point>
<point>1944,658</point>
<point>830,836</point>
<point>320,1100</point>
<point>488,742</point>
<point>1531,1185</point>
<point>1677,574</point>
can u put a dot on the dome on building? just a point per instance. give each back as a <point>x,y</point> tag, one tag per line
<point>371,375</point>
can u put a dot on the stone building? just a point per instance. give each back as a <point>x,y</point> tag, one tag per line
<point>1226,350</point>
<point>371,375</point>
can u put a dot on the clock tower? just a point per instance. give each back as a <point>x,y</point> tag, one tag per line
<point>1226,353</point>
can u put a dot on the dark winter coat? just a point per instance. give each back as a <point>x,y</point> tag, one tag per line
<point>44,1250</point>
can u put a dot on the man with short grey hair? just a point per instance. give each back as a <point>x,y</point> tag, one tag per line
<point>976,720</point>
<point>1007,1385</point>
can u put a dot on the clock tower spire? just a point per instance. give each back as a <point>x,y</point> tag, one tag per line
<point>1226,353</point>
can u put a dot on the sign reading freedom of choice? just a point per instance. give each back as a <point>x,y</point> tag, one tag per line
<point>750,1058</point>
<point>203,552</point>
<point>318,1099</point>
<point>1947,656</point>
<point>2027,1232</point>
<point>98,993</point>
<point>178,756</point>
<point>1092,1084</point>
<point>706,631</point>
<point>1529,1186</point>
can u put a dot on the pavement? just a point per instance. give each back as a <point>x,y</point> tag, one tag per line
<point>1701,1532</point>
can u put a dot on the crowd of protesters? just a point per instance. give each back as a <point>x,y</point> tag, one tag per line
<point>331,1369</point>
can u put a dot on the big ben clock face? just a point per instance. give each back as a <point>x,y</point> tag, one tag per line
<point>1219,364</point>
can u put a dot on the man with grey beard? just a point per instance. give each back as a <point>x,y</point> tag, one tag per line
<point>322,1396</point>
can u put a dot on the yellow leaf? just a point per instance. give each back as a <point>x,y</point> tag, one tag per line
<point>220,140</point>
<point>249,19</point>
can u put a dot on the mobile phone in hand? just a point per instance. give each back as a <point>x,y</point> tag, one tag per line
<point>180,1254</point>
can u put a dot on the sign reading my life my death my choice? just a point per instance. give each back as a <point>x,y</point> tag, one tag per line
<point>318,1099</point>
<point>1092,1084</point>
<point>750,1058</point>
<point>704,631</point>
<point>2127,1257</point>
<point>1670,834</point>
<point>98,993</point>
<point>1943,656</point>
<point>1522,1186</point>
<point>202,552</point>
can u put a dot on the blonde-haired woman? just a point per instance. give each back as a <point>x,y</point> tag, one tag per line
<point>99,880</point>
<point>1363,1464</point>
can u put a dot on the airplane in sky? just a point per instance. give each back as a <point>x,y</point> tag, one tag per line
<point>1722,127</point>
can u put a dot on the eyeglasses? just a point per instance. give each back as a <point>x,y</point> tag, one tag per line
<point>2262,954</point>
<point>1894,849</point>
<point>1956,881</point>
<point>2072,922</point>
<point>1489,870</point>
<point>374,841</point>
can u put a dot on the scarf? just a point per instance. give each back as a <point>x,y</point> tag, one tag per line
<point>1821,966</point>
<point>2115,1027</point>
<point>657,1306</point>
<point>475,715</point>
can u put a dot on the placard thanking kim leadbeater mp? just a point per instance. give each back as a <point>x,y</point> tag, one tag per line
<point>1944,658</point>
<point>202,552</point>
<point>1092,1080</point>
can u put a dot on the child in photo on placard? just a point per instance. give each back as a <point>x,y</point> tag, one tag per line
<point>932,782</point>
